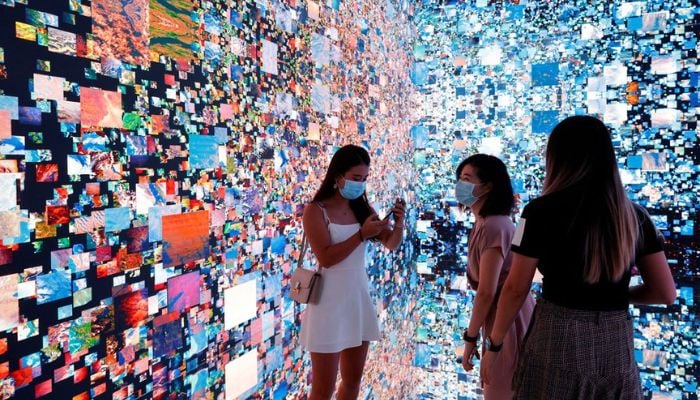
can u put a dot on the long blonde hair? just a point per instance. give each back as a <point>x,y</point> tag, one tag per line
<point>580,153</point>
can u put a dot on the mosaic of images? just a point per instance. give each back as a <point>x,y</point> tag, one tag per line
<point>496,77</point>
<point>155,157</point>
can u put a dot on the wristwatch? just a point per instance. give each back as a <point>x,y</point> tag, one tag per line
<point>469,339</point>
<point>490,346</point>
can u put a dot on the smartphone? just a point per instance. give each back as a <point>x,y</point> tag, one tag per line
<point>403,203</point>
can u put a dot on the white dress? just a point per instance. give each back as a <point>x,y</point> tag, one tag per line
<point>344,316</point>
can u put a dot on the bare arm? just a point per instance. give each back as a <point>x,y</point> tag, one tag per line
<point>391,238</point>
<point>658,286</point>
<point>515,290</point>
<point>319,238</point>
<point>513,294</point>
<point>489,270</point>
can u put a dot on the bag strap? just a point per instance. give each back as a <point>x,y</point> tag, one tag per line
<point>300,261</point>
<point>304,242</point>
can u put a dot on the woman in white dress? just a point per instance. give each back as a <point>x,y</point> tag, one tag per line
<point>337,329</point>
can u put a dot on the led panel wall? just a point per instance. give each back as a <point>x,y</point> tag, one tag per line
<point>495,77</point>
<point>155,158</point>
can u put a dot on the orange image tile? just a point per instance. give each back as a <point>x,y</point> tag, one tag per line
<point>56,215</point>
<point>159,124</point>
<point>121,30</point>
<point>185,237</point>
<point>100,108</point>
<point>5,124</point>
<point>4,370</point>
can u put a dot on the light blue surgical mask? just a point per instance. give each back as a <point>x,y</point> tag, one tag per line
<point>464,192</point>
<point>352,189</point>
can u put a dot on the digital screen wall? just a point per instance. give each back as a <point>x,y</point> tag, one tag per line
<point>495,77</point>
<point>155,157</point>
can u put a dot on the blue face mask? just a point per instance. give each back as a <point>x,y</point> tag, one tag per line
<point>352,189</point>
<point>464,192</point>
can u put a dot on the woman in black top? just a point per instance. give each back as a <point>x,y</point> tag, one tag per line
<point>584,235</point>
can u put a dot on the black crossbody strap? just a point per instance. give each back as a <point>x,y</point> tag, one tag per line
<point>300,261</point>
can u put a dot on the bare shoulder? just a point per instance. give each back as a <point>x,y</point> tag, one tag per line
<point>314,223</point>
<point>313,215</point>
<point>312,209</point>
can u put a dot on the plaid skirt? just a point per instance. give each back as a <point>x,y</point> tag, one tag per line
<point>577,354</point>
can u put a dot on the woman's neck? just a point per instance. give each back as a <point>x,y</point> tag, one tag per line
<point>476,209</point>
<point>338,200</point>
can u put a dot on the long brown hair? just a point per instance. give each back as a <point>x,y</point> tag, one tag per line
<point>580,153</point>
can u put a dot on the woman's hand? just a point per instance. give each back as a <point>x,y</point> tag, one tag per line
<point>468,355</point>
<point>372,227</point>
<point>399,211</point>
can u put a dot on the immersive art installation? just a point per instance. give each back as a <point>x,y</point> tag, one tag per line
<point>496,77</point>
<point>155,157</point>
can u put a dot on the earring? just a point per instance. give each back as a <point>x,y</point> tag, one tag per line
<point>335,186</point>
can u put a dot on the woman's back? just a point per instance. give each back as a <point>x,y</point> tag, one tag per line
<point>553,229</point>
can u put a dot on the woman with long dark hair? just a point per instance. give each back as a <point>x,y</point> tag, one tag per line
<point>337,329</point>
<point>483,185</point>
<point>583,235</point>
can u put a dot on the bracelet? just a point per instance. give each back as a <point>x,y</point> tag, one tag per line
<point>469,339</point>
<point>490,346</point>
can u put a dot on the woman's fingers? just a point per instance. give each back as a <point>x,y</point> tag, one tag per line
<point>399,209</point>
<point>466,359</point>
<point>373,226</point>
<point>378,226</point>
<point>467,365</point>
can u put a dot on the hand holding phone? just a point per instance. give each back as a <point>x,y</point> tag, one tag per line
<point>399,201</point>
<point>386,217</point>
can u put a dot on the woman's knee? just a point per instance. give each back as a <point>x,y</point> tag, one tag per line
<point>322,391</point>
<point>352,379</point>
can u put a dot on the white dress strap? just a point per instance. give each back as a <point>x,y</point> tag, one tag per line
<point>325,214</point>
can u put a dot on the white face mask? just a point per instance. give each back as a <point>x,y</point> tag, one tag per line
<point>464,192</point>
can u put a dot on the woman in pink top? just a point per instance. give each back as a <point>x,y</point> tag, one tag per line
<point>484,186</point>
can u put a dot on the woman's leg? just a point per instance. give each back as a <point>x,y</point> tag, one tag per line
<point>324,371</point>
<point>352,362</point>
